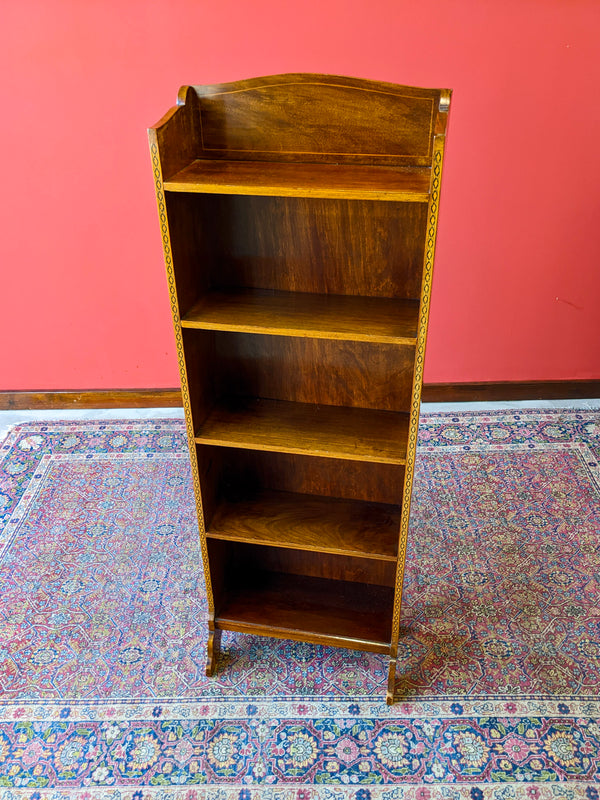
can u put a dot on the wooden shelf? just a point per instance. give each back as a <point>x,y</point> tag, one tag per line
<point>284,179</point>
<point>320,610</point>
<point>357,434</point>
<point>310,522</point>
<point>360,319</point>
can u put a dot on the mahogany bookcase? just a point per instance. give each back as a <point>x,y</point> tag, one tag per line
<point>298,216</point>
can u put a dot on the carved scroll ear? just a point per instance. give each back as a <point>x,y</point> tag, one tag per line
<point>443,109</point>
<point>184,94</point>
<point>444,106</point>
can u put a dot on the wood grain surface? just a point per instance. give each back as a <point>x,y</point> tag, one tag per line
<point>362,319</point>
<point>296,244</point>
<point>305,370</point>
<point>309,522</point>
<point>232,475</point>
<point>359,182</point>
<point>319,117</point>
<point>332,431</point>
<point>298,219</point>
<point>319,610</point>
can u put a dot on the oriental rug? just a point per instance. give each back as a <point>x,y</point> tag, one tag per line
<point>102,630</point>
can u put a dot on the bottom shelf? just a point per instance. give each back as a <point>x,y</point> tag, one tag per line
<point>318,610</point>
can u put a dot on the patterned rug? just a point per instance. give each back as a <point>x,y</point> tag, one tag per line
<point>102,630</point>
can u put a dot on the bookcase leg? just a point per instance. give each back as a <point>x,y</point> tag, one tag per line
<point>389,699</point>
<point>212,651</point>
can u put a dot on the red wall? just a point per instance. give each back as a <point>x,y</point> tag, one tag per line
<point>517,284</point>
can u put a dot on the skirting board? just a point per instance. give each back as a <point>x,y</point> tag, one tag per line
<point>432,393</point>
<point>101,398</point>
<point>510,390</point>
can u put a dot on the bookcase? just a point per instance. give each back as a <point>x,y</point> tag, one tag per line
<point>298,216</point>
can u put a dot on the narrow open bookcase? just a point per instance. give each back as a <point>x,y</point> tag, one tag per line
<point>298,216</point>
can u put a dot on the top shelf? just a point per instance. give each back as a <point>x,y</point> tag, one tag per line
<point>283,179</point>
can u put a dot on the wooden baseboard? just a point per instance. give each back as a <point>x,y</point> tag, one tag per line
<point>110,398</point>
<point>509,390</point>
<point>432,393</point>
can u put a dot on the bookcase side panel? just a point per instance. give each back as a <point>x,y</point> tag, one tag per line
<point>192,246</point>
<point>154,139</point>
<point>433,210</point>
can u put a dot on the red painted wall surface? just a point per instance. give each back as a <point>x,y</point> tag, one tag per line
<point>517,284</point>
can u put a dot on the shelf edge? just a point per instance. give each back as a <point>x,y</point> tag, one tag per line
<point>220,442</point>
<point>407,341</point>
<point>325,194</point>
<point>297,635</point>
<point>224,537</point>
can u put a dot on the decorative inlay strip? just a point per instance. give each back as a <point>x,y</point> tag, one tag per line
<point>164,228</point>
<point>417,383</point>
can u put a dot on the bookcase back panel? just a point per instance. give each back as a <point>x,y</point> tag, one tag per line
<point>355,247</point>
<point>281,117</point>
<point>332,373</point>
<point>248,558</point>
<point>228,473</point>
<point>336,373</point>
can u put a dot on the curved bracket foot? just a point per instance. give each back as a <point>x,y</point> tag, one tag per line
<point>213,647</point>
<point>391,684</point>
